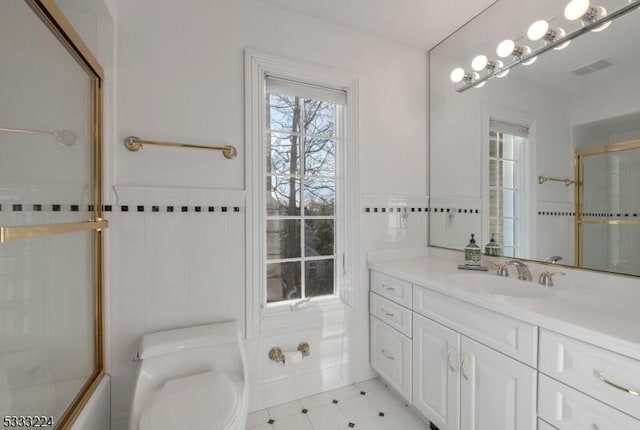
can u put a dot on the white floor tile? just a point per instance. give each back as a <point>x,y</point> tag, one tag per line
<point>327,418</point>
<point>376,423</point>
<point>357,409</point>
<point>344,392</point>
<point>385,400</point>
<point>257,418</point>
<point>370,385</point>
<point>285,410</point>
<point>296,422</point>
<point>316,401</point>
<point>404,419</point>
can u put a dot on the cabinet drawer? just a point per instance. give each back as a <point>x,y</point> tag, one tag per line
<point>569,409</point>
<point>391,313</point>
<point>391,356</point>
<point>510,336</point>
<point>603,374</point>
<point>392,288</point>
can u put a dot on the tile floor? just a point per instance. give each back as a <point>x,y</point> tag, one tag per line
<point>368,405</point>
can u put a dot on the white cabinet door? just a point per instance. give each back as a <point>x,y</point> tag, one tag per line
<point>436,373</point>
<point>497,392</point>
<point>391,356</point>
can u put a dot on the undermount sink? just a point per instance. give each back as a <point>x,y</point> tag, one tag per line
<point>500,286</point>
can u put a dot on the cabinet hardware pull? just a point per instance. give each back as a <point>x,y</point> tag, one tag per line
<point>385,313</point>
<point>452,349</point>
<point>462,369</point>
<point>595,426</point>
<point>388,288</point>
<point>385,355</point>
<point>614,385</point>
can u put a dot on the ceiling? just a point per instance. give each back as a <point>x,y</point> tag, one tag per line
<point>419,23</point>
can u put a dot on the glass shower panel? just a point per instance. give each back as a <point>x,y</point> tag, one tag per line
<point>47,324</point>
<point>611,247</point>
<point>46,117</point>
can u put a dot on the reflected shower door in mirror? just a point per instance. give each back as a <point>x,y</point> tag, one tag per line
<point>502,155</point>
<point>608,207</point>
<point>50,217</point>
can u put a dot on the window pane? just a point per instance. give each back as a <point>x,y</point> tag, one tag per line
<point>320,118</point>
<point>495,176</point>
<point>283,281</point>
<point>318,277</point>
<point>507,209</point>
<point>319,196</point>
<point>507,174</point>
<point>508,147</point>
<point>319,156</point>
<point>318,237</point>
<point>283,154</point>
<point>283,239</point>
<point>283,113</point>
<point>493,144</point>
<point>495,203</point>
<point>283,196</point>
<point>508,233</point>
<point>496,226</point>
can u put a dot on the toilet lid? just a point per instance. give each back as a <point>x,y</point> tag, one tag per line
<point>204,401</point>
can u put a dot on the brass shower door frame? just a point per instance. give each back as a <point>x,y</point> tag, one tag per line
<point>579,190</point>
<point>53,17</point>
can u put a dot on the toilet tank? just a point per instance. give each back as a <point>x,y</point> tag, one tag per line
<point>188,351</point>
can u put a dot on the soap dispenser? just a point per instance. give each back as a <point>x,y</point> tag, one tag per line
<point>492,248</point>
<point>472,253</point>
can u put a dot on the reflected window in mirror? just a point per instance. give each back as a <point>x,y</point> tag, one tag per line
<point>506,202</point>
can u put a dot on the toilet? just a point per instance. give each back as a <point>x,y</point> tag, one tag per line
<point>191,378</point>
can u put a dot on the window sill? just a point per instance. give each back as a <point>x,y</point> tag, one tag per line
<point>314,314</point>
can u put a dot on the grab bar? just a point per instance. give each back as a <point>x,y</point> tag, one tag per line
<point>133,143</point>
<point>64,137</point>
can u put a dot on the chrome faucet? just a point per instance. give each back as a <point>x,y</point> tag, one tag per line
<point>523,270</point>
<point>553,259</point>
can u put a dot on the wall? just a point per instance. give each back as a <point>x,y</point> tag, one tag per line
<point>180,77</point>
<point>96,414</point>
<point>456,154</point>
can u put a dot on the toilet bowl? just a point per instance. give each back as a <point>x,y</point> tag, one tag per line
<point>191,378</point>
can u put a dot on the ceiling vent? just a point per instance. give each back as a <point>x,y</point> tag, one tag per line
<point>594,67</point>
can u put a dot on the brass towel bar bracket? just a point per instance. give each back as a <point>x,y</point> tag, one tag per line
<point>133,143</point>
<point>567,182</point>
<point>31,231</point>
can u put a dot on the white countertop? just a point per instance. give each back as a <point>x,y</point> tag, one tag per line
<point>597,308</point>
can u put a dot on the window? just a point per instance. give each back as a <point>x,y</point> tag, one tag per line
<point>506,144</point>
<point>302,204</point>
<point>301,213</point>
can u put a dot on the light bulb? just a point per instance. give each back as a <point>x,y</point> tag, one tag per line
<point>560,33</point>
<point>538,30</point>
<point>479,63</point>
<point>457,75</point>
<point>527,51</point>
<point>499,65</point>
<point>602,12</point>
<point>576,9</point>
<point>505,48</point>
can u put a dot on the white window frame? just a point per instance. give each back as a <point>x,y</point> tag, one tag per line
<point>525,181</point>
<point>261,318</point>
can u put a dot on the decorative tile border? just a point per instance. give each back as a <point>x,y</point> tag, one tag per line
<point>418,209</point>
<point>37,207</point>
<point>591,214</point>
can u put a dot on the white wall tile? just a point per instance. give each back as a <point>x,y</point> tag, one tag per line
<point>166,309</point>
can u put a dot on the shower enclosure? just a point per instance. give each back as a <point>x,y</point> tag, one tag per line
<point>51,348</point>
<point>608,208</point>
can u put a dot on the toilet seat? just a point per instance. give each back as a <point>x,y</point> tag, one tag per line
<point>204,401</point>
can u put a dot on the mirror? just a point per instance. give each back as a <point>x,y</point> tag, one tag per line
<point>504,157</point>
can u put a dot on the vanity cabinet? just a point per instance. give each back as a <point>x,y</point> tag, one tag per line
<point>390,302</point>
<point>585,386</point>
<point>462,384</point>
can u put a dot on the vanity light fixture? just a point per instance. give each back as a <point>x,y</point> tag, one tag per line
<point>508,48</point>
<point>541,30</point>
<point>593,19</point>
<point>582,10</point>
